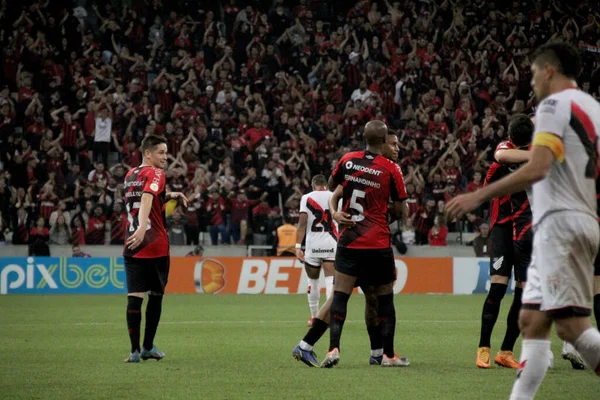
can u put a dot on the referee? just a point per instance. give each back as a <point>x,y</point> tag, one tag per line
<point>146,251</point>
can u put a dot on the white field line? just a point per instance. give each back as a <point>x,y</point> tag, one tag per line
<point>228,322</point>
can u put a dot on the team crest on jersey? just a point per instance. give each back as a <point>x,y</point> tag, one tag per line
<point>548,106</point>
<point>554,284</point>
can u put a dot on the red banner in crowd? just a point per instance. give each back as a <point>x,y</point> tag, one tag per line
<point>275,275</point>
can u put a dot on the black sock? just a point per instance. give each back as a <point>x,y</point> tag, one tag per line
<point>372,321</point>
<point>338,317</point>
<point>318,328</point>
<point>387,323</point>
<point>153,310</point>
<point>134,319</point>
<point>512,322</point>
<point>597,309</point>
<point>491,309</point>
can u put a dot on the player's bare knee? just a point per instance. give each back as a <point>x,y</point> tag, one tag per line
<point>312,272</point>
<point>499,279</point>
<point>596,285</point>
<point>386,289</point>
<point>344,283</point>
<point>534,324</point>
<point>570,329</point>
<point>328,268</point>
<point>137,294</point>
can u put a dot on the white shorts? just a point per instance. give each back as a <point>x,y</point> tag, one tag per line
<point>316,257</point>
<point>560,278</point>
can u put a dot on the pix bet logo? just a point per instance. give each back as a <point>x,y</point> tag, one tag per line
<point>209,276</point>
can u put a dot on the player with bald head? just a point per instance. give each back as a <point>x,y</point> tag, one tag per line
<point>364,253</point>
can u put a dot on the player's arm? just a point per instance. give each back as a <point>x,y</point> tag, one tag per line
<point>144,213</point>
<point>547,147</point>
<point>300,232</point>
<point>399,207</point>
<point>337,176</point>
<point>512,156</point>
<point>341,217</point>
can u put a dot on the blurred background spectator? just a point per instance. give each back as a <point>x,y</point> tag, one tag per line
<point>255,97</point>
<point>483,241</point>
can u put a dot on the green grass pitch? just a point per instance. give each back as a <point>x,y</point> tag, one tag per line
<point>239,347</point>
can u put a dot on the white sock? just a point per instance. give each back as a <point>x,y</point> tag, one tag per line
<point>534,354</point>
<point>313,296</point>
<point>588,346</point>
<point>328,286</point>
<point>377,353</point>
<point>567,348</point>
<point>305,346</point>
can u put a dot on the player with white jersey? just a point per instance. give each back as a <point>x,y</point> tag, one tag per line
<point>562,170</point>
<point>321,241</point>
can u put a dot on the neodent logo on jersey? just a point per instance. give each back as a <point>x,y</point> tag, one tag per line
<point>351,166</point>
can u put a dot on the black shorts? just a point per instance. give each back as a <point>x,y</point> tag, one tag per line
<point>371,267</point>
<point>147,274</point>
<point>501,260</point>
<point>522,256</point>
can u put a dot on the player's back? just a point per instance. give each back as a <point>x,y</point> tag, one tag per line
<point>574,117</point>
<point>369,181</point>
<point>140,180</point>
<point>500,208</point>
<point>321,228</point>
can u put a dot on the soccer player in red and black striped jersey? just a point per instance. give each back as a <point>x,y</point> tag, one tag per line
<point>146,252</point>
<point>319,325</point>
<point>364,253</point>
<point>511,245</point>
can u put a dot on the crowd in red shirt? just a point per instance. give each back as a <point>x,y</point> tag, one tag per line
<point>256,98</point>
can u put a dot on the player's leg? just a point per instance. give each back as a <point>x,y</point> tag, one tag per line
<point>597,289</point>
<point>136,286</point>
<point>535,328</point>
<point>304,350</point>
<point>328,271</point>
<point>571,291</point>
<point>158,277</point>
<point>372,322</point>
<point>347,269</point>
<point>501,265</point>
<point>312,266</point>
<point>383,278</point>
<point>522,258</point>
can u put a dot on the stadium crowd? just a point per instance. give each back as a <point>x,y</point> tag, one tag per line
<point>255,98</point>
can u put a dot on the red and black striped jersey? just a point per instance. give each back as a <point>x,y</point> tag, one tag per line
<point>500,207</point>
<point>140,180</point>
<point>369,182</point>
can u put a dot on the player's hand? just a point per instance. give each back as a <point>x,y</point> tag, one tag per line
<point>136,239</point>
<point>178,196</point>
<point>343,218</point>
<point>460,205</point>
<point>300,255</point>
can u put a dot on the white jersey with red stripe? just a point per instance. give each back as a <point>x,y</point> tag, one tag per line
<point>572,116</point>
<point>321,229</point>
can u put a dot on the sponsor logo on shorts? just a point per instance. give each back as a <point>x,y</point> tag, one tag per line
<point>321,251</point>
<point>498,263</point>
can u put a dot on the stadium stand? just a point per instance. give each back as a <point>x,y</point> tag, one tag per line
<point>255,98</point>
